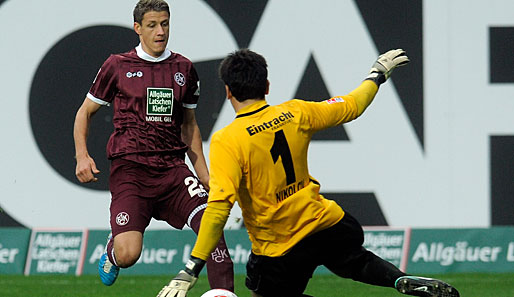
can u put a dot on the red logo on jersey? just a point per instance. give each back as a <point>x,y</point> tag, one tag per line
<point>334,100</point>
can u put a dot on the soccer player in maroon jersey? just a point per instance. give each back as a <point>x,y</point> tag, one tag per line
<point>154,93</point>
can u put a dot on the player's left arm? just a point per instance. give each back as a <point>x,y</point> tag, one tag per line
<point>226,174</point>
<point>192,137</point>
<point>211,228</point>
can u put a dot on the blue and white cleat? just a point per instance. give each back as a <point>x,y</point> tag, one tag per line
<point>108,272</point>
<point>422,286</point>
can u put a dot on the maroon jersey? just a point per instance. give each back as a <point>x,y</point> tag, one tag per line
<point>148,96</point>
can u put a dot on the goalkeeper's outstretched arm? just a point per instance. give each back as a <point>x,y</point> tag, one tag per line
<point>379,73</point>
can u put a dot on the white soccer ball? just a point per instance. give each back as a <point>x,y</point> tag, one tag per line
<point>218,293</point>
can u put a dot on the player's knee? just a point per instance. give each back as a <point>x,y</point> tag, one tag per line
<point>127,248</point>
<point>127,256</point>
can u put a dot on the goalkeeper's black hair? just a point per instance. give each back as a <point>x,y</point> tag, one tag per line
<point>246,74</point>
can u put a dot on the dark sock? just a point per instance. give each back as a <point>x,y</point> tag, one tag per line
<point>377,271</point>
<point>220,269</point>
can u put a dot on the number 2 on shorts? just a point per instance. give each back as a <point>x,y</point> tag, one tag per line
<point>194,187</point>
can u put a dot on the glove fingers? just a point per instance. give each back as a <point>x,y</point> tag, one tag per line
<point>398,52</point>
<point>391,54</point>
<point>401,60</point>
<point>193,282</point>
<point>164,292</point>
<point>386,63</point>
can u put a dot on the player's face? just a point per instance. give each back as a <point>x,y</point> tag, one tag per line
<point>154,32</point>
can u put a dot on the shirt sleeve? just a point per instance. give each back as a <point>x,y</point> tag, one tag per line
<point>225,177</point>
<point>211,228</point>
<point>225,168</point>
<point>104,86</point>
<point>338,109</point>
<point>193,89</point>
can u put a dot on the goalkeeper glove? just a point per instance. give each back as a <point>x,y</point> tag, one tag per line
<point>385,64</point>
<point>184,280</point>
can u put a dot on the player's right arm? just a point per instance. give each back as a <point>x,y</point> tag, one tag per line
<point>341,109</point>
<point>86,167</point>
<point>381,71</point>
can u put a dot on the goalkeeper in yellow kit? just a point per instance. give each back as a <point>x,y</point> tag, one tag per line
<point>260,161</point>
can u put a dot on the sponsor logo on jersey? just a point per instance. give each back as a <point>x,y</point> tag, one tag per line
<point>134,74</point>
<point>122,219</point>
<point>180,79</point>
<point>334,100</point>
<point>159,101</point>
<point>275,123</point>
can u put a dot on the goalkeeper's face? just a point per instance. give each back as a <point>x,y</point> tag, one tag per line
<point>154,32</point>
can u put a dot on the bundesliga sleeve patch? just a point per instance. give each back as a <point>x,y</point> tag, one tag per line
<point>334,100</point>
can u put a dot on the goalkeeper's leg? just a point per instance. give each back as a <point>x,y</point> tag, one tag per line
<point>422,286</point>
<point>368,268</point>
<point>359,264</point>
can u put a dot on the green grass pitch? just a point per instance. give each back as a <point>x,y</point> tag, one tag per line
<point>469,285</point>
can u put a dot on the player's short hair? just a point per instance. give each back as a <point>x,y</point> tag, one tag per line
<point>144,6</point>
<point>246,74</point>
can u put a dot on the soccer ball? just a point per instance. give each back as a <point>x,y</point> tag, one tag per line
<point>218,293</point>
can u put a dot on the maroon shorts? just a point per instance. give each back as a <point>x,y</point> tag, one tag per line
<point>140,193</point>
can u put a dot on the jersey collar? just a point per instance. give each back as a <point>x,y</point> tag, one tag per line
<point>143,55</point>
<point>252,109</point>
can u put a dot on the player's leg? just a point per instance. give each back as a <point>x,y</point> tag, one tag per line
<point>422,286</point>
<point>184,204</point>
<point>121,251</point>
<point>351,260</point>
<point>345,256</point>
<point>220,269</point>
<point>123,248</point>
<point>107,270</point>
<point>373,270</point>
<point>127,248</point>
<point>368,268</point>
<point>130,215</point>
<point>286,276</point>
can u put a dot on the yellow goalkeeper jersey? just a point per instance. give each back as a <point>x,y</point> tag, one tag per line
<point>260,161</point>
